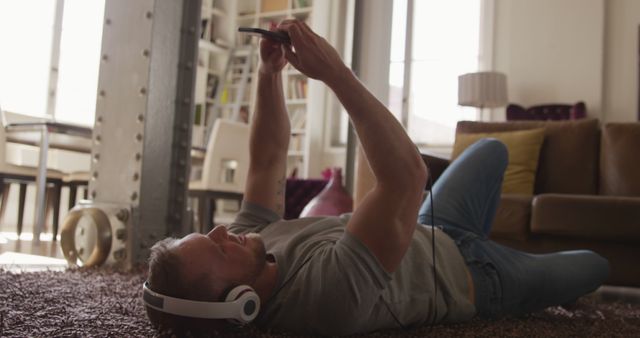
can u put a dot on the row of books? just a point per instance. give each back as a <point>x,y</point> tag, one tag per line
<point>297,88</point>
<point>281,5</point>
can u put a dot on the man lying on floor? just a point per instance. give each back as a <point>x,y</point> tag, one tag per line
<point>370,270</point>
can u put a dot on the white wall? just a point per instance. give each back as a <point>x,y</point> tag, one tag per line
<point>621,60</point>
<point>570,50</point>
<point>551,50</point>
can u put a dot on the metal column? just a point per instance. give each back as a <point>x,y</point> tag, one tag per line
<point>142,133</point>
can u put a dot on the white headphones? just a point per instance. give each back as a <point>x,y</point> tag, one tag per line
<point>241,305</point>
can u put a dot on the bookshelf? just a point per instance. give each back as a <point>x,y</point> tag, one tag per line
<point>220,42</point>
<point>216,38</point>
<point>262,13</point>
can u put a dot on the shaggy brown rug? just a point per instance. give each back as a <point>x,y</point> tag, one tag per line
<point>101,303</point>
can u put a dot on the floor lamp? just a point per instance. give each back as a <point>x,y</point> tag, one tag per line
<point>482,90</point>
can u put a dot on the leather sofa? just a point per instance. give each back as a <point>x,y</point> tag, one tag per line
<point>586,194</point>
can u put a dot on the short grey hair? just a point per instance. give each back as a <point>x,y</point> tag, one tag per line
<point>165,271</point>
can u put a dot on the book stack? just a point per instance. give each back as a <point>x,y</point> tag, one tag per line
<point>297,88</point>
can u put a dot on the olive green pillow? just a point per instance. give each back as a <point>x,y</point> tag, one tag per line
<point>524,151</point>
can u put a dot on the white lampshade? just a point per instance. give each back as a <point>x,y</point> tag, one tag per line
<point>482,89</point>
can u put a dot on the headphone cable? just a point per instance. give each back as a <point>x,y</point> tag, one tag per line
<point>433,254</point>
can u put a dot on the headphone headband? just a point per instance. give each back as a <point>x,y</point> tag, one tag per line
<point>242,305</point>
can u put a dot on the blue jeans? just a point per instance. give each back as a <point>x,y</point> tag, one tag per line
<point>506,281</point>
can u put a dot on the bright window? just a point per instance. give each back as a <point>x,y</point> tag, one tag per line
<point>444,42</point>
<point>79,61</point>
<point>26,30</point>
<point>27,42</point>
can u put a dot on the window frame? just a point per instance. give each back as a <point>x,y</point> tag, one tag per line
<point>485,62</point>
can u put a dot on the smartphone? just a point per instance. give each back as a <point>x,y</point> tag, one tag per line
<point>278,36</point>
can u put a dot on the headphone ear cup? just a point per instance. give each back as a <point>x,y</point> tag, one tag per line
<point>249,304</point>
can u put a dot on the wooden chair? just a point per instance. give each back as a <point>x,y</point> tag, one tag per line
<point>15,170</point>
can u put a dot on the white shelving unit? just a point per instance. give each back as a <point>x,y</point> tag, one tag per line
<point>262,13</point>
<point>216,38</point>
<point>220,20</point>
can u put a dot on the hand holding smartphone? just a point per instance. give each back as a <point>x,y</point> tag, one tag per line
<point>278,36</point>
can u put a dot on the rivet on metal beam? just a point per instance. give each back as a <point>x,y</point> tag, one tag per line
<point>102,93</point>
<point>95,174</point>
<point>134,196</point>
<point>96,157</point>
<point>94,194</point>
<point>136,176</point>
<point>143,91</point>
<point>99,119</point>
<point>120,254</point>
<point>122,215</point>
<point>140,118</point>
<point>148,15</point>
<point>105,57</point>
<point>145,53</point>
<point>107,21</point>
<point>138,137</point>
<point>138,156</point>
<point>121,234</point>
<point>98,138</point>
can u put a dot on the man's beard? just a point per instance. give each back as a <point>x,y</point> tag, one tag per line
<point>257,246</point>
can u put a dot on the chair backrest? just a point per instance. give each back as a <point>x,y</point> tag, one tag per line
<point>545,112</point>
<point>12,150</point>
<point>226,161</point>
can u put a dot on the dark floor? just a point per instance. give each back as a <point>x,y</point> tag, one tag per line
<point>23,254</point>
<point>107,303</point>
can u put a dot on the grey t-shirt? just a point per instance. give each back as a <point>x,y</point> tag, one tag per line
<point>332,284</point>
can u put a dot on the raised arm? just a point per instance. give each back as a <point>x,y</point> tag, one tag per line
<point>270,132</point>
<point>386,219</point>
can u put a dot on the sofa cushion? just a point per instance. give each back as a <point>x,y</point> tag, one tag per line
<point>512,217</point>
<point>619,160</point>
<point>569,156</point>
<point>587,217</point>
<point>524,150</point>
